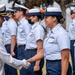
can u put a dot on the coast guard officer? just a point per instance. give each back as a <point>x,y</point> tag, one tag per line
<point>23,31</point>
<point>56,45</point>
<point>34,42</point>
<point>72,36</point>
<point>8,59</point>
<point>4,56</point>
<point>10,33</point>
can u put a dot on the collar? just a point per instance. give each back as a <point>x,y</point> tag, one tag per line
<point>10,19</point>
<point>73,21</point>
<point>34,25</point>
<point>21,21</point>
<point>56,28</point>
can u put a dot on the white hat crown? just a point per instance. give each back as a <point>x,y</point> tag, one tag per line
<point>2,7</point>
<point>54,9</point>
<point>35,10</point>
<point>20,6</point>
<point>9,9</point>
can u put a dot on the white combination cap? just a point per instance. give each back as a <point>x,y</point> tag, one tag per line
<point>72,7</point>
<point>20,7</point>
<point>53,11</point>
<point>9,10</point>
<point>2,7</point>
<point>34,11</point>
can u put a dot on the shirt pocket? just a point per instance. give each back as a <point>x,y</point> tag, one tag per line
<point>51,40</point>
<point>32,37</point>
<point>20,29</point>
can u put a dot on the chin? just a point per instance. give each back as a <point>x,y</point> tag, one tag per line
<point>47,26</point>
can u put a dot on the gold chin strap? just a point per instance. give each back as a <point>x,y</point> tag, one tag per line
<point>3,14</point>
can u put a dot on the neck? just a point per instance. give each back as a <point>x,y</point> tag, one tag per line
<point>53,25</point>
<point>35,21</point>
<point>10,18</point>
<point>73,18</point>
<point>21,17</point>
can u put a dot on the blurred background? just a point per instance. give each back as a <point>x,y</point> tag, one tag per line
<point>64,4</point>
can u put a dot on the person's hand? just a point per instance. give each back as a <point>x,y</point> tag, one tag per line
<point>36,68</point>
<point>28,60</point>
<point>27,64</point>
<point>12,53</point>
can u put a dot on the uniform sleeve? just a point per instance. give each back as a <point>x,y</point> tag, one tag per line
<point>3,28</point>
<point>39,33</point>
<point>13,28</point>
<point>8,59</point>
<point>26,28</point>
<point>63,41</point>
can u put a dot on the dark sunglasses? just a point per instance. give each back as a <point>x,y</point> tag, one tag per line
<point>72,12</point>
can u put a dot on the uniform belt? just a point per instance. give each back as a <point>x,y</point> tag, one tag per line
<point>21,45</point>
<point>35,49</point>
<point>7,45</point>
<point>53,60</point>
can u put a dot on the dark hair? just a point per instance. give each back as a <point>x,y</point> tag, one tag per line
<point>24,11</point>
<point>60,19</point>
<point>39,17</point>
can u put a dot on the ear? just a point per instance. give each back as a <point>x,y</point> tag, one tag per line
<point>54,19</point>
<point>21,12</point>
<point>35,16</point>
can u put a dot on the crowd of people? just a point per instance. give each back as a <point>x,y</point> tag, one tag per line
<point>24,44</point>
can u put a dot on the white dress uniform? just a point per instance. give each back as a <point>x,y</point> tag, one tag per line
<point>10,29</point>
<point>1,32</point>
<point>4,56</point>
<point>53,43</point>
<point>8,59</point>
<point>57,40</point>
<point>72,37</point>
<point>23,30</point>
<point>4,26</point>
<point>36,33</point>
<point>72,30</point>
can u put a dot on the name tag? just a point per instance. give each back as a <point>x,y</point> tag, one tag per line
<point>30,33</point>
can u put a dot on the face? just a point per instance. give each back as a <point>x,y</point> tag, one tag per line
<point>17,14</point>
<point>9,14</point>
<point>73,14</point>
<point>49,21</point>
<point>33,18</point>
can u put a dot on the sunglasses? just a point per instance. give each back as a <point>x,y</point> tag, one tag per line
<point>72,12</point>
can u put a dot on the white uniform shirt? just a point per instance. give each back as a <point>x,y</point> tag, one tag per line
<point>23,30</point>
<point>7,58</point>
<point>37,32</point>
<point>10,29</point>
<point>0,31</point>
<point>1,35</point>
<point>72,30</point>
<point>56,40</point>
<point>4,26</point>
